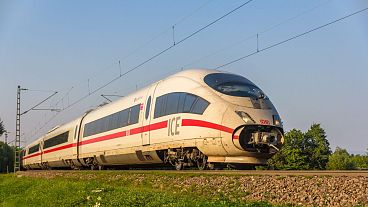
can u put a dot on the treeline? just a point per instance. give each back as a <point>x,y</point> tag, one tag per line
<point>6,154</point>
<point>342,160</point>
<point>6,158</point>
<point>311,151</point>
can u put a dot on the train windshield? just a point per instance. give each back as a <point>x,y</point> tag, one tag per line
<point>233,85</point>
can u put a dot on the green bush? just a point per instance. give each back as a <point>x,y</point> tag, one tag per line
<point>361,161</point>
<point>6,158</point>
<point>341,160</point>
<point>303,151</point>
<point>2,129</point>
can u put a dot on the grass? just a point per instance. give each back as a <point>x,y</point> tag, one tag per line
<point>114,188</point>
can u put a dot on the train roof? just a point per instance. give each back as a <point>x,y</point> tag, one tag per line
<point>196,74</point>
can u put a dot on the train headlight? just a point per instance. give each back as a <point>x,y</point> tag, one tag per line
<point>246,118</point>
<point>277,120</point>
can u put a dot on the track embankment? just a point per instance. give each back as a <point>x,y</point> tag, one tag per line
<point>307,188</point>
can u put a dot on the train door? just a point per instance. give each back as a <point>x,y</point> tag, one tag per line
<point>75,142</point>
<point>41,153</point>
<point>147,114</point>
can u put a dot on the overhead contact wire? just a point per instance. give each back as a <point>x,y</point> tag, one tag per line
<point>292,38</point>
<point>149,59</point>
<point>160,53</point>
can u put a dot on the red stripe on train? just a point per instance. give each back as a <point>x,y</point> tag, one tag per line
<point>103,138</point>
<point>150,127</point>
<point>34,155</point>
<point>58,148</point>
<point>200,123</point>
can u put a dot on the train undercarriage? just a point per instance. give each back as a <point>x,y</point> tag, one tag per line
<point>179,158</point>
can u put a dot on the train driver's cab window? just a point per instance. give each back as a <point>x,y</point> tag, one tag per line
<point>233,85</point>
<point>179,102</point>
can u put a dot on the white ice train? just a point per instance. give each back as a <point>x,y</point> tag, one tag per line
<point>192,118</point>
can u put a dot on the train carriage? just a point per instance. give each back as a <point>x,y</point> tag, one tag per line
<point>32,156</point>
<point>58,146</point>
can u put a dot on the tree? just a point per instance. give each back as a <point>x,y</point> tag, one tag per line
<point>2,129</point>
<point>303,151</point>
<point>360,161</point>
<point>6,158</point>
<point>292,155</point>
<point>6,153</point>
<point>340,160</point>
<point>321,147</point>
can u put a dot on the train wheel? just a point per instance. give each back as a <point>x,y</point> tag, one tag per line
<point>202,162</point>
<point>95,166</point>
<point>92,162</point>
<point>73,166</point>
<point>179,165</point>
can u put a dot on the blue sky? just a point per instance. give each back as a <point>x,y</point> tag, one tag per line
<point>73,47</point>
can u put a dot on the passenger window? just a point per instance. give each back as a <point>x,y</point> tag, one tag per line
<point>105,124</point>
<point>148,106</point>
<point>158,107</point>
<point>163,105</point>
<point>98,126</point>
<point>200,106</point>
<point>86,130</point>
<point>134,114</point>
<point>93,128</point>
<point>123,118</point>
<point>179,102</point>
<point>75,132</point>
<point>172,103</point>
<point>34,149</point>
<point>189,100</point>
<point>113,121</point>
<point>59,139</point>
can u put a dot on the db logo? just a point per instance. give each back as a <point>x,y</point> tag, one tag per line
<point>264,122</point>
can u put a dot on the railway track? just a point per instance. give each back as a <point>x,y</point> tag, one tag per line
<point>363,173</point>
